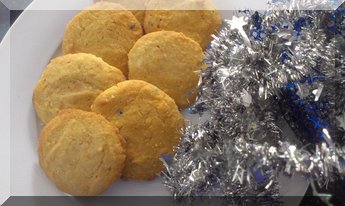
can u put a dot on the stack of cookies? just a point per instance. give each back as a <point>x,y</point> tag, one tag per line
<point>111,103</point>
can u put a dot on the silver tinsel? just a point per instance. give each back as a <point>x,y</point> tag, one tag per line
<point>240,150</point>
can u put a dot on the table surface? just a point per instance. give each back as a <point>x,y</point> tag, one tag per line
<point>7,16</point>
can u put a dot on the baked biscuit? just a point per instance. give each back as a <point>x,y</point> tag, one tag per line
<point>140,15</point>
<point>169,60</point>
<point>149,121</point>
<point>106,30</point>
<point>81,152</point>
<point>137,7</point>
<point>193,18</point>
<point>72,81</point>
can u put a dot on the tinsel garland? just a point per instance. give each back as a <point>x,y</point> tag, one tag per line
<point>261,66</point>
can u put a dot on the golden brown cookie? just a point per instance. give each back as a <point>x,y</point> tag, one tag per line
<point>106,30</point>
<point>149,121</point>
<point>137,7</point>
<point>81,152</point>
<point>193,18</point>
<point>140,15</point>
<point>72,81</point>
<point>169,60</point>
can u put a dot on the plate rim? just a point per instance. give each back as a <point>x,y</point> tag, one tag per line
<point>7,40</point>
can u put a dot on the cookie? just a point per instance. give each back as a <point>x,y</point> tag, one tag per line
<point>169,60</point>
<point>137,7</point>
<point>81,152</point>
<point>72,81</point>
<point>195,19</point>
<point>149,121</point>
<point>106,30</point>
<point>140,15</point>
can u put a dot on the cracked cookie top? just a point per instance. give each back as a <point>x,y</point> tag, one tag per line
<point>169,60</point>
<point>149,121</point>
<point>72,81</point>
<point>106,30</point>
<point>81,152</point>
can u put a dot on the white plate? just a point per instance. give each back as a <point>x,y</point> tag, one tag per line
<point>33,40</point>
